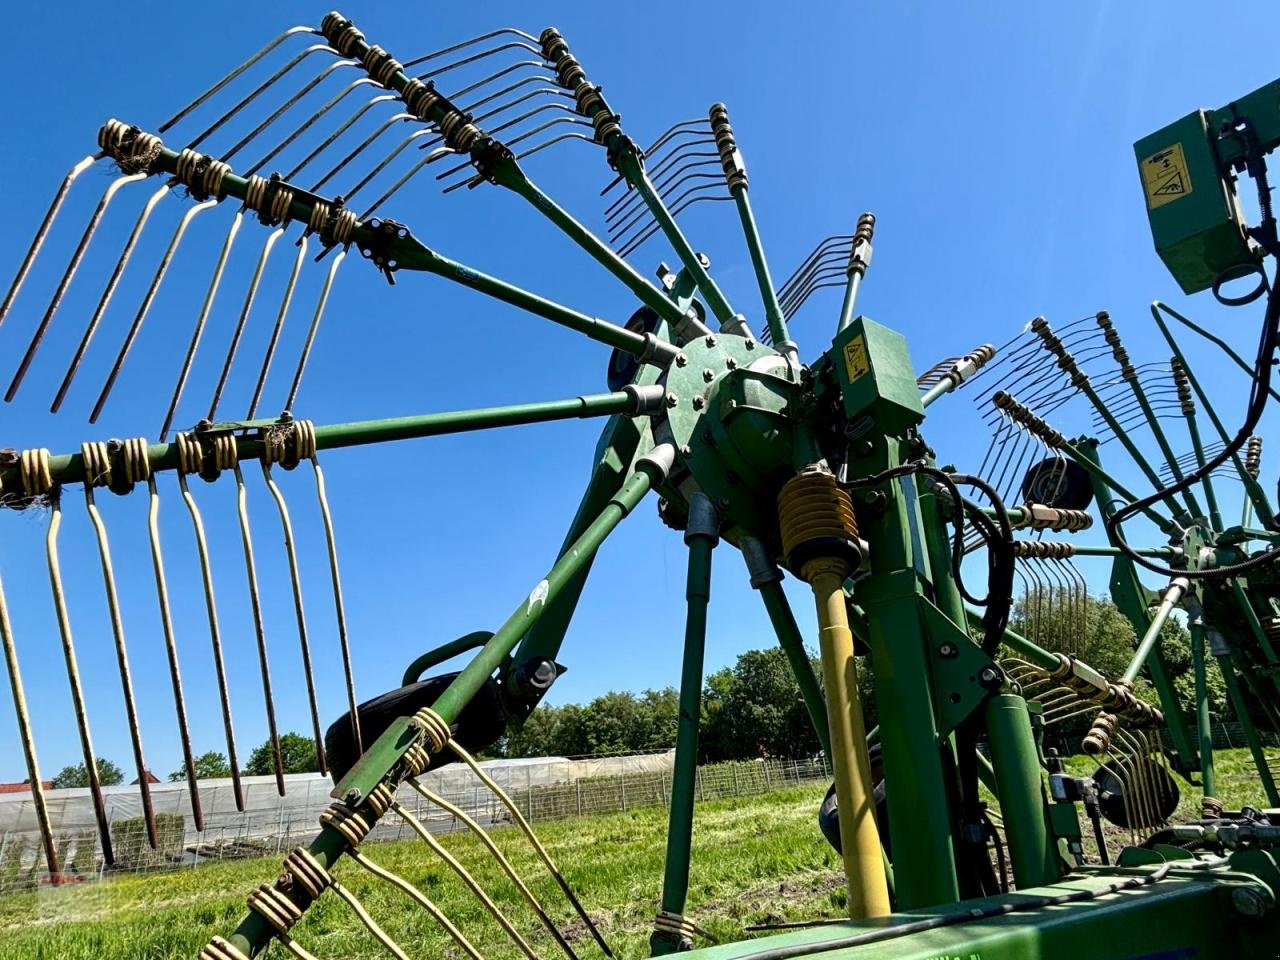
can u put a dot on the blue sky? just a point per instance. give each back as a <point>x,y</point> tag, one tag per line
<point>993,144</point>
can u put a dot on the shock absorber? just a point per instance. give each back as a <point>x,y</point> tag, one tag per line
<point>820,540</point>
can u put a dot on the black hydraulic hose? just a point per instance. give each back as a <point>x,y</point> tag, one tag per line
<point>954,919</point>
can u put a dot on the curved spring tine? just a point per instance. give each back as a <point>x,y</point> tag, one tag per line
<point>295,582</point>
<point>504,107</point>
<point>482,55</point>
<point>791,310</point>
<point>259,628</point>
<point>511,87</point>
<point>386,161</point>
<point>405,178</point>
<point>339,607</point>
<point>676,209</point>
<point>551,143</point>
<point>378,131</point>
<point>664,187</point>
<point>311,120</point>
<point>38,240</point>
<point>818,251</point>
<point>575,120</point>
<point>620,230</point>
<point>214,282</point>
<point>25,737</point>
<point>285,301</point>
<point>837,259</point>
<point>259,90</point>
<point>112,189</point>
<point>659,169</point>
<point>818,280</point>
<point>445,51</point>
<point>122,660</point>
<point>107,294</point>
<point>680,128</point>
<point>215,637</point>
<point>221,84</point>
<point>315,326</point>
<point>499,74</point>
<point>238,332</point>
<point>171,650</point>
<point>341,129</point>
<point>287,105</point>
<point>161,269</point>
<point>73,673</point>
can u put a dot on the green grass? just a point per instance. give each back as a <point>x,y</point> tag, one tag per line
<point>755,858</point>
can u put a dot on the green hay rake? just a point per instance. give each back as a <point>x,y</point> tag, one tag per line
<point>821,469</point>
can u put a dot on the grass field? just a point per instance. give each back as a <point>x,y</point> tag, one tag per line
<point>755,859</point>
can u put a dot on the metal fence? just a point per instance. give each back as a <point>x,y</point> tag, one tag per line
<point>544,790</point>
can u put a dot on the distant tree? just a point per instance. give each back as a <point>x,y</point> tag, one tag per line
<point>755,709</point>
<point>297,754</point>
<point>209,766</point>
<point>109,775</point>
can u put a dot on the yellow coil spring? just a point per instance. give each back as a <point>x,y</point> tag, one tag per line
<point>811,506</point>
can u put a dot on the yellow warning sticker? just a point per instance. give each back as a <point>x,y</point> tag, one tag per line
<point>856,363</point>
<point>1165,177</point>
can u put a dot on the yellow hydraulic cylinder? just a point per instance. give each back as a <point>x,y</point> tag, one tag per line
<point>816,520</point>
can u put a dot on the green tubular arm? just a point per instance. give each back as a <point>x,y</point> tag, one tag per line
<point>1162,442</point>
<point>1128,593</point>
<point>632,169</point>
<point>507,173</point>
<point>69,468</point>
<point>254,932</point>
<point>1254,490</point>
<point>1176,590</point>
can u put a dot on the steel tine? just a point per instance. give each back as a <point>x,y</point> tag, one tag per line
<point>211,609</point>
<point>681,174</point>
<point>659,171</point>
<point>475,57</point>
<point>255,603</point>
<point>139,454</point>
<point>574,120</point>
<point>556,91</point>
<point>499,74</point>
<point>238,332</point>
<point>311,120</point>
<point>285,300</point>
<point>677,209</point>
<point>17,690</point>
<point>97,465</point>
<point>445,51</point>
<point>295,582</point>
<point>671,133</point>
<point>338,132</point>
<point>198,332</point>
<point>386,161</point>
<point>38,240</point>
<point>621,230</point>
<point>258,91</point>
<point>339,606</point>
<point>822,272</point>
<point>315,326</point>
<point>831,248</point>
<point>67,276</point>
<point>238,71</point>
<point>538,148</point>
<point>107,294</point>
<point>73,672</point>
<point>161,269</point>
<point>286,106</point>
<point>377,132</point>
<point>405,178</point>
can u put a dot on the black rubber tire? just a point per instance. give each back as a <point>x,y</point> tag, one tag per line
<point>480,725</point>
<point>1059,483</point>
<point>1111,795</point>
<point>829,810</point>
<point>623,364</point>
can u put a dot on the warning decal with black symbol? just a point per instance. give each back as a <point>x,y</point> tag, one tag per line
<point>1165,177</point>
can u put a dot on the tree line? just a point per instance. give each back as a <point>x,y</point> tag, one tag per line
<point>754,707</point>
